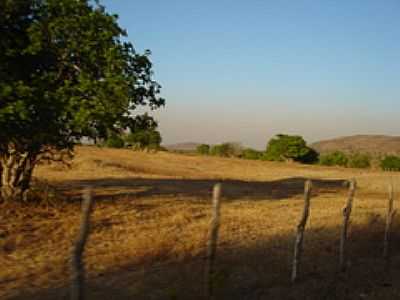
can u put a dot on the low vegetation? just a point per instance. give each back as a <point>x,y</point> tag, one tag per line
<point>114,141</point>
<point>359,160</point>
<point>336,158</point>
<point>390,163</point>
<point>144,139</point>
<point>252,154</point>
<point>282,148</point>
<point>228,149</point>
<point>203,149</point>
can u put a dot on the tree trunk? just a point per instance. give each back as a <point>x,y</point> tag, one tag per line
<point>16,173</point>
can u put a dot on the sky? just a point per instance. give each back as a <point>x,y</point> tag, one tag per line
<point>246,70</point>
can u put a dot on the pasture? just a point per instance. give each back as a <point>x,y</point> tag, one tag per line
<point>151,219</point>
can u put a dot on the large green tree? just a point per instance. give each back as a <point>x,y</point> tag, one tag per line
<point>66,72</point>
<point>290,147</point>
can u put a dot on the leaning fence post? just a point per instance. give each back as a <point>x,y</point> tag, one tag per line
<point>298,245</point>
<point>389,220</point>
<point>346,218</point>
<point>212,241</point>
<point>77,265</point>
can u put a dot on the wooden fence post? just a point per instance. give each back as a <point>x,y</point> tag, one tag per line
<point>212,241</point>
<point>77,264</point>
<point>388,228</point>
<point>346,218</point>
<point>298,245</point>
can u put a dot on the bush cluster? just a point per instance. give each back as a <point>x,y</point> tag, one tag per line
<point>222,150</point>
<point>203,149</point>
<point>114,141</point>
<point>249,153</point>
<point>229,150</point>
<point>281,148</point>
<point>145,139</point>
<point>338,158</point>
<point>390,163</point>
<point>359,160</point>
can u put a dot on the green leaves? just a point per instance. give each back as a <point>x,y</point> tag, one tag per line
<point>289,147</point>
<point>203,149</point>
<point>336,158</point>
<point>65,73</point>
<point>144,139</point>
<point>390,163</point>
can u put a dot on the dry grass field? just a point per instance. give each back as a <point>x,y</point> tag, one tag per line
<point>150,224</point>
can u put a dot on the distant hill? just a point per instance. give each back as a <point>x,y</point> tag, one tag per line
<point>371,144</point>
<point>189,146</point>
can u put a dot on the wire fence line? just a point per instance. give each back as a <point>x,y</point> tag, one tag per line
<point>210,259</point>
<point>209,256</point>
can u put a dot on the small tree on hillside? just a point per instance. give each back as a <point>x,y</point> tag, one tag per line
<point>289,147</point>
<point>66,72</point>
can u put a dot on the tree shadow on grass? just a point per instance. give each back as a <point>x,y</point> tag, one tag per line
<point>199,189</point>
<point>261,271</point>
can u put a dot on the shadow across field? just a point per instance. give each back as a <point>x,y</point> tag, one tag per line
<point>199,189</point>
<point>260,271</point>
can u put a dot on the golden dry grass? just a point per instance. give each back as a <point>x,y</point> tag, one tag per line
<point>150,225</point>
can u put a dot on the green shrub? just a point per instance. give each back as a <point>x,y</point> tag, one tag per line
<point>236,149</point>
<point>144,139</point>
<point>225,150</point>
<point>336,158</point>
<point>114,141</point>
<point>203,149</point>
<point>358,160</point>
<point>215,150</point>
<point>251,154</point>
<point>390,163</point>
<point>219,150</point>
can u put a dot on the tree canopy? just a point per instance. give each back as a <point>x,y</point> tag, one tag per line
<point>66,72</point>
<point>289,147</point>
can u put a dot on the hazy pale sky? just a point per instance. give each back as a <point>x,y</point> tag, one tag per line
<point>247,70</point>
